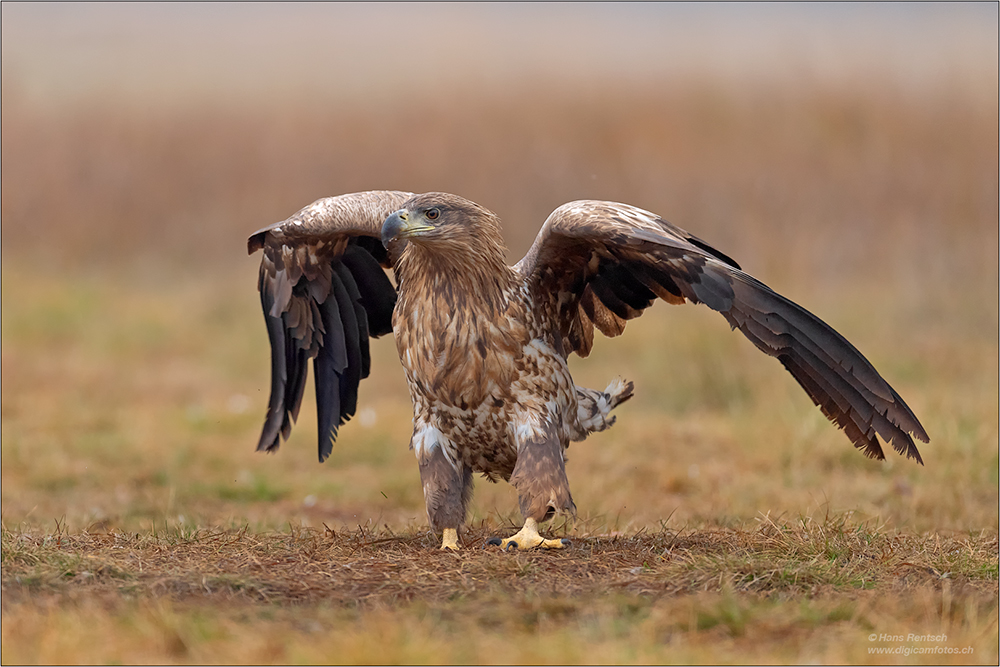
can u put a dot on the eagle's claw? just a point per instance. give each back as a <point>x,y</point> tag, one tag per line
<point>449,540</point>
<point>528,538</point>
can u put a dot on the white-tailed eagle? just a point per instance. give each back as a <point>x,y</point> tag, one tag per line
<point>485,345</point>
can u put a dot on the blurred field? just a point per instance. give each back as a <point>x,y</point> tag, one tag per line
<point>134,380</point>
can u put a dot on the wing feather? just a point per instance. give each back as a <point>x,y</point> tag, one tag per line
<point>378,296</point>
<point>360,317</point>
<point>329,365</point>
<point>324,294</point>
<point>352,341</point>
<point>601,264</point>
<point>277,411</point>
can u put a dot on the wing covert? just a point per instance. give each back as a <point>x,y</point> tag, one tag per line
<point>324,293</point>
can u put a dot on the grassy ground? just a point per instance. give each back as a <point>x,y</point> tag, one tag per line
<point>722,519</point>
<point>799,591</point>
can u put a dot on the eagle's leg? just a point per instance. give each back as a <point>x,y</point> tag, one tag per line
<point>447,492</point>
<point>543,489</point>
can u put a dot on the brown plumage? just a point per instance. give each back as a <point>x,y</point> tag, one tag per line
<point>484,345</point>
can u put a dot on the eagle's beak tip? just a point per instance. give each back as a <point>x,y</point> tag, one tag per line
<point>391,228</point>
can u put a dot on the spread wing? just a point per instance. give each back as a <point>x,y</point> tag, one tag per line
<point>324,293</point>
<point>598,264</point>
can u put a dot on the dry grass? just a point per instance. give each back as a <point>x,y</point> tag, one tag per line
<point>801,592</point>
<point>722,519</point>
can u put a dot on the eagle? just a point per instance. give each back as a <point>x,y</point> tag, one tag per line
<point>485,345</point>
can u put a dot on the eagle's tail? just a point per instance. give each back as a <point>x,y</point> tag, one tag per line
<point>594,407</point>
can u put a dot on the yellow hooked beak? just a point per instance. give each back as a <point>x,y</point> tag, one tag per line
<point>403,225</point>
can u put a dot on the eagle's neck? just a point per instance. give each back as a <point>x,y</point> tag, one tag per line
<point>451,279</point>
<point>454,323</point>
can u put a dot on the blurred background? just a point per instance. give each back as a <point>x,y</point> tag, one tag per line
<point>845,154</point>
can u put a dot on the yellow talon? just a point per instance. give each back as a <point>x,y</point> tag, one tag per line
<point>528,538</point>
<point>450,539</point>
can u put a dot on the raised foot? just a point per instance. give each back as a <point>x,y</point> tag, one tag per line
<point>449,540</point>
<point>528,538</point>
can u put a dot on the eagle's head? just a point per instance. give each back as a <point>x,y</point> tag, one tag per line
<point>442,223</point>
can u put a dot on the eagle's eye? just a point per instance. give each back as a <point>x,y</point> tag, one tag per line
<point>432,214</point>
